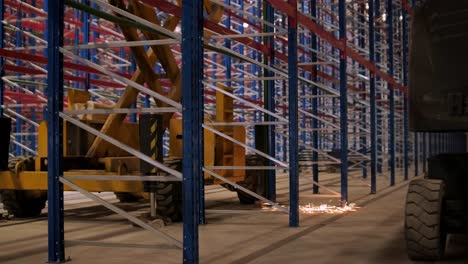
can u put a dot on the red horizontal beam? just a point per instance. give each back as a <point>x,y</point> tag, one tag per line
<point>284,7</point>
<point>177,11</point>
<point>43,60</point>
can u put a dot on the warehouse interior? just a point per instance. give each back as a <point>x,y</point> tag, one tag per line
<point>232,131</point>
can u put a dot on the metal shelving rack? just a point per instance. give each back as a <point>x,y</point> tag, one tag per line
<point>316,75</point>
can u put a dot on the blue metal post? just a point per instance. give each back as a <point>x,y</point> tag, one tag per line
<point>440,143</point>
<point>76,12</point>
<point>379,116</point>
<point>133,67</point>
<point>315,124</point>
<point>343,105</point>
<point>424,151</point>
<point>2,45</point>
<point>269,98</point>
<point>416,154</point>
<point>32,138</point>
<point>293,109</point>
<point>85,52</point>
<point>55,130</point>
<point>431,145</point>
<point>362,44</point>
<point>94,59</point>
<point>284,90</point>
<point>227,59</point>
<point>18,122</point>
<point>373,108</point>
<point>405,102</point>
<point>391,95</point>
<point>192,102</point>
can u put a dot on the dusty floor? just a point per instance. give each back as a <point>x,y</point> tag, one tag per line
<point>372,234</point>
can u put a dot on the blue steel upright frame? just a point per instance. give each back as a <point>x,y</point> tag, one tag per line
<point>372,95</point>
<point>424,151</point>
<point>315,123</point>
<point>192,103</point>
<point>343,104</point>
<point>405,96</point>
<point>2,45</point>
<point>391,93</point>
<point>379,116</point>
<point>269,98</point>
<point>85,52</point>
<point>55,27</point>
<point>293,110</point>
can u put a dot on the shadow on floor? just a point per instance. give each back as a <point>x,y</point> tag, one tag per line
<point>395,251</point>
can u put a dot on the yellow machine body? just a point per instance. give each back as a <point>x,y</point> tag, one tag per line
<point>218,150</point>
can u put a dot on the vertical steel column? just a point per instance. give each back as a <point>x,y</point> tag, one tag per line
<point>424,151</point>
<point>55,130</point>
<point>379,115</point>
<point>373,108</point>
<point>343,103</point>
<point>133,67</point>
<point>315,124</point>
<point>391,95</point>
<point>2,45</point>
<point>416,154</point>
<point>405,99</point>
<point>284,90</point>
<point>94,53</point>
<point>18,122</point>
<point>85,52</point>
<point>440,143</point>
<point>46,34</point>
<point>227,59</point>
<point>32,129</point>
<point>362,71</point>
<point>269,99</point>
<point>76,42</point>
<point>293,110</point>
<point>431,144</point>
<point>192,102</point>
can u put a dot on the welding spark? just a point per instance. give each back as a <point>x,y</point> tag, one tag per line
<point>327,209</point>
<point>317,209</point>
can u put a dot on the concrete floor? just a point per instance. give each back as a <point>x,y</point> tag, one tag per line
<point>372,234</point>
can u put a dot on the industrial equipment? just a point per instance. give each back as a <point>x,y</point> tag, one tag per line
<point>437,205</point>
<point>23,180</point>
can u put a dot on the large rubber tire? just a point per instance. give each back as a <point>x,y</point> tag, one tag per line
<point>169,194</point>
<point>23,203</point>
<point>425,230</point>
<point>126,197</point>
<point>255,180</point>
<point>169,200</point>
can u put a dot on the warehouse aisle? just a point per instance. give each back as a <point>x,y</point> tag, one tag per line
<point>372,234</point>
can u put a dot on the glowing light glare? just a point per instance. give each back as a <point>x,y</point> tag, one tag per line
<point>327,209</point>
<point>245,25</point>
<point>317,209</point>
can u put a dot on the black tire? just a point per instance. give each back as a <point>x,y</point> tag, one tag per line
<point>125,197</point>
<point>23,203</point>
<point>425,230</point>
<point>255,180</point>
<point>169,200</point>
<point>169,194</point>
